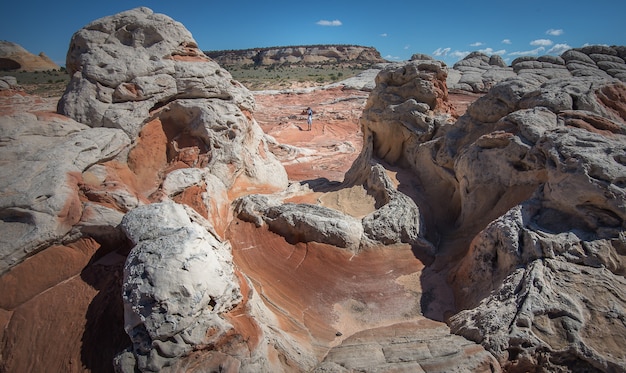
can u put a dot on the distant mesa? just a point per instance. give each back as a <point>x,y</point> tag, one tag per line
<point>305,54</point>
<point>13,57</point>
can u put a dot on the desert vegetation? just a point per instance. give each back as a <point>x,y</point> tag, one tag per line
<point>293,75</point>
<point>52,83</point>
<point>49,83</point>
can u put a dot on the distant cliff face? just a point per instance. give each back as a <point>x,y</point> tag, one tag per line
<point>297,54</point>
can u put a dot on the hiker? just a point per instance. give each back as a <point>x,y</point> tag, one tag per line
<point>309,119</point>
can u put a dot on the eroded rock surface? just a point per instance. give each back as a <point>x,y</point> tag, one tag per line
<point>42,160</point>
<point>71,180</point>
<point>422,346</point>
<point>137,61</point>
<point>529,182</point>
<point>178,279</point>
<point>503,224</point>
<point>479,73</point>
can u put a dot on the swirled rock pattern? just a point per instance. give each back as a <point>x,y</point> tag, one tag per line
<point>168,238</point>
<point>143,104</point>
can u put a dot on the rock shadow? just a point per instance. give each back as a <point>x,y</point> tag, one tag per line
<point>322,185</point>
<point>104,336</point>
<point>437,300</point>
<point>439,208</point>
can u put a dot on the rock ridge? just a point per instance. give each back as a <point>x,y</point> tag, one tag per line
<point>478,72</point>
<point>302,54</point>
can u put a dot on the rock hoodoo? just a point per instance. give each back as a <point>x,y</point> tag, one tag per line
<point>152,205</point>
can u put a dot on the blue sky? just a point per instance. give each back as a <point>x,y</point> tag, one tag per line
<point>446,30</point>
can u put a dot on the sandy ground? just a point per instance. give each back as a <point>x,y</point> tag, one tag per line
<point>328,150</point>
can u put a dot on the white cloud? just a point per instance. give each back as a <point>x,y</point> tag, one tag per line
<point>390,57</point>
<point>384,35</point>
<point>324,22</point>
<point>441,52</point>
<point>407,47</point>
<point>542,42</point>
<point>477,44</point>
<point>459,54</point>
<point>506,41</point>
<point>533,52</point>
<point>489,51</point>
<point>554,32</point>
<point>559,48</point>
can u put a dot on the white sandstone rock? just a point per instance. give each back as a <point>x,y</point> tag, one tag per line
<point>178,278</point>
<point>41,160</point>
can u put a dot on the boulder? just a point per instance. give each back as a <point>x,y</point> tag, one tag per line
<point>134,62</point>
<point>178,280</point>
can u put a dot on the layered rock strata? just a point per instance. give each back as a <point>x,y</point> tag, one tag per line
<point>146,118</point>
<point>312,54</point>
<point>506,224</point>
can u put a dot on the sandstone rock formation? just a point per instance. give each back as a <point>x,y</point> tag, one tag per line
<point>14,57</point>
<point>8,83</point>
<point>478,72</point>
<point>306,54</point>
<point>556,242</point>
<point>136,127</point>
<point>43,158</point>
<point>149,71</point>
<point>423,346</point>
<point>489,239</point>
<point>525,194</point>
<point>178,279</point>
<point>395,218</point>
